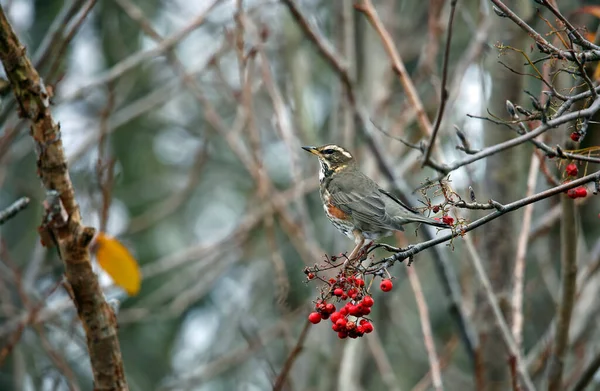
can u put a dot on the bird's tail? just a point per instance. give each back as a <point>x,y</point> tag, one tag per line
<point>417,218</point>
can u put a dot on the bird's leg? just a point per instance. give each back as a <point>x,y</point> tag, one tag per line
<point>365,250</point>
<point>359,240</point>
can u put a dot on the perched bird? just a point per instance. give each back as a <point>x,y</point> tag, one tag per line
<point>355,204</point>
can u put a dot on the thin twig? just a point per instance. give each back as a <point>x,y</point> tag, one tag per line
<point>367,8</point>
<point>506,208</point>
<point>434,362</point>
<point>12,210</point>
<point>500,321</point>
<point>444,91</point>
<point>289,362</point>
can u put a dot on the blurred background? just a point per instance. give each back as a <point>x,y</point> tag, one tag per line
<point>183,122</point>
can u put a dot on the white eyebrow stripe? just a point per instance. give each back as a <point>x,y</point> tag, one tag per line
<point>339,149</point>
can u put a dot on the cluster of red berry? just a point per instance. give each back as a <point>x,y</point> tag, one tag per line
<point>350,320</point>
<point>579,192</point>
<point>447,219</point>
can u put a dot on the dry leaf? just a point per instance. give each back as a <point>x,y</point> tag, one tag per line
<point>117,261</point>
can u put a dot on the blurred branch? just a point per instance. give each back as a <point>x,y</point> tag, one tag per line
<point>444,90</point>
<point>434,362</point>
<point>386,370</point>
<point>500,321</point>
<point>126,65</point>
<point>568,245</point>
<point>289,362</point>
<point>367,8</point>
<point>12,210</point>
<point>588,374</point>
<point>171,204</point>
<point>325,49</point>
<point>519,270</point>
<point>73,237</point>
<point>235,356</point>
<point>61,48</point>
<point>52,38</point>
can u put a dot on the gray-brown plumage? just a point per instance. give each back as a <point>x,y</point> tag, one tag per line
<point>355,204</point>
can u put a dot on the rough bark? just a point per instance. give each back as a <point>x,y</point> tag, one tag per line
<point>71,236</point>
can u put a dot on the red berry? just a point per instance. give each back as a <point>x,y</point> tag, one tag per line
<point>314,317</point>
<point>575,136</point>
<point>367,327</point>
<point>386,285</point>
<point>342,334</point>
<point>344,296</point>
<point>329,308</point>
<point>360,282</point>
<point>350,326</point>
<point>572,193</point>
<point>341,322</point>
<point>354,310</point>
<point>324,315</point>
<point>360,330</point>
<point>363,321</point>
<point>581,192</point>
<point>571,170</point>
<point>332,281</point>
<point>368,301</point>
<point>366,311</point>
<point>344,311</point>
<point>338,292</point>
<point>360,307</point>
<point>351,292</point>
<point>310,276</point>
<point>448,220</point>
<point>335,316</point>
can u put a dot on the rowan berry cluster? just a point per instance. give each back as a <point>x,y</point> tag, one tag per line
<point>351,318</point>
<point>579,192</point>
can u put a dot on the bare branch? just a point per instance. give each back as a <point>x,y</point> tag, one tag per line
<point>73,238</point>
<point>12,210</point>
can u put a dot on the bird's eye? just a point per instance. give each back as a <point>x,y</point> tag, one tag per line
<point>328,151</point>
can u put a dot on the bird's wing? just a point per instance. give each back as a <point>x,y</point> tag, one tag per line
<point>397,200</point>
<point>369,204</point>
<point>364,203</point>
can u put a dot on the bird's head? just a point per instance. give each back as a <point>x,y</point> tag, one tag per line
<point>333,158</point>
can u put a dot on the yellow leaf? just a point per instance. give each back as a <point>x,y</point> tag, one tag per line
<point>118,262</point>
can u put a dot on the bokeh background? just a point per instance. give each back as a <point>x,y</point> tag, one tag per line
<point>183,122</point>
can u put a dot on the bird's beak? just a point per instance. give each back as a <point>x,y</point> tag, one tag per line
<point>312,150</point>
